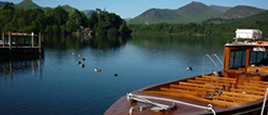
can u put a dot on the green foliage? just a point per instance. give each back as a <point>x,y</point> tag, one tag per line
<point>59,21</point>
<point>54,21</point>
<point>104,23</point>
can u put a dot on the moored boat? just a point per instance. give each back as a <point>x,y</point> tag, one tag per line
<point>240,88</point>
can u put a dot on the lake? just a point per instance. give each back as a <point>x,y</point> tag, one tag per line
<point>56,84</point>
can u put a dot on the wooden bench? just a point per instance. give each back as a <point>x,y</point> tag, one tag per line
<point>259,82</point>
<point>201,85</point>
<point>251,88</point>
<point>191,88</point>
<point>247,91</point>
<point>183,91</point>
<point>209,82</point>
<point>233,99</point>
<point>219,78</point>
<point>228,103</point>
<point>255,84</point>
<point>184,96</point>
<point>235,94</point>
<point>215,80</point>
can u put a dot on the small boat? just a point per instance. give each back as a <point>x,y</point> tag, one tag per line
<point>239,88</point>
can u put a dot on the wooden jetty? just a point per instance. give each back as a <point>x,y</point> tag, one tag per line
<point>8,47</point>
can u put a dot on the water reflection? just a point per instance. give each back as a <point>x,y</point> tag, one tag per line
<point>80,42</point>
<point>21,65</point>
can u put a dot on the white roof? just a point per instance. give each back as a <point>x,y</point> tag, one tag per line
<point>250,31</point>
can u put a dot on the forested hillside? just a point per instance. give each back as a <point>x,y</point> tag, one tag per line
<point>59,21</point>
<point>225,27</point>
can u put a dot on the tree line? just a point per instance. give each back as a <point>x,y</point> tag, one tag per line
<point>225,28</point>
<point>59,21</point>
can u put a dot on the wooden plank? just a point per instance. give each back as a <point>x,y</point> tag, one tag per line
<point>235,94</point>
<point>259,82</point>
<point>200,85</point>
<point>191,88</point>
<point>233,99</point>
<point>215,80</point>
<point>247,91</point>
<point>226,102</point>
<point>255,84</point>
<point>182,91</point>
<point>251,87</point>
<point>212,83</point>
<point>219,78</point>
<point>185,96</point>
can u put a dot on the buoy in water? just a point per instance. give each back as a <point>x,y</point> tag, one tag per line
<point>72,53</point>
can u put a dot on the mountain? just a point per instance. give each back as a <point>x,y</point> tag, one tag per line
<point>68,8</point>
<point>88,12</point>
<point>2,4</point>
<point>240,12</point>
<point>260,18</point>
<point>221,9</point>
<point>194,12</point>
<point>27,4</point>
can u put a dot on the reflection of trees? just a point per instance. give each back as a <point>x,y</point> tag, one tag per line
<point>100,42</point>
<point>21,65</point>
<point>77,43</point>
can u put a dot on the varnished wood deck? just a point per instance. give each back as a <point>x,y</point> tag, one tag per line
<point>225,94</point>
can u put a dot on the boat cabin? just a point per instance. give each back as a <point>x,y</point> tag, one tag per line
<point>247,56</point>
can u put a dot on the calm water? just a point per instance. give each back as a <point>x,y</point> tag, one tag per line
<point>55,84</point>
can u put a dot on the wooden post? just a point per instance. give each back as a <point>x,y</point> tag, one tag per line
<point>39,39</point>
<point>3,39</point>
<point>9,39</point>
<point>32,39</point>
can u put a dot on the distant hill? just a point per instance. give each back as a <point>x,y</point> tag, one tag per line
<point>2,4</point>
<point>260,19</point>
<point>221,9</point>
<point>88,12</point>
<point>68,8</point>
<point>240,12</point>
<point>27,4</point>
<point>194,12</point>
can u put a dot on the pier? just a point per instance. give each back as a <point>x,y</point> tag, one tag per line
<point>8,46</point>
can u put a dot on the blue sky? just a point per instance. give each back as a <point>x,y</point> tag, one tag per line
<point>132,8</point>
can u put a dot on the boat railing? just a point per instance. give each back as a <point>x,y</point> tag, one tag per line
<point>211,62</point>
<point>217,57</point>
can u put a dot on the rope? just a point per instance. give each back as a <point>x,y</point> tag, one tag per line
<point>209,107</point>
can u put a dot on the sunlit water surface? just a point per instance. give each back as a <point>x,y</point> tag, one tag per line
<point>55,84</point>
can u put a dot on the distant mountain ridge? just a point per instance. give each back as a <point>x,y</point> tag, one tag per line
<point>194,12</point>
<point>29,4</point>
<point>240,12</point>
